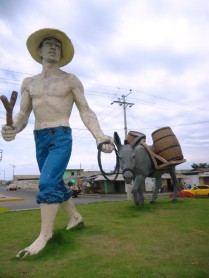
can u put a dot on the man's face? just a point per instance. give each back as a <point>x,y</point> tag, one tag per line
<point>50,50</point>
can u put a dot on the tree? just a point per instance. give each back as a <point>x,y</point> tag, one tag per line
<point>200,165</point>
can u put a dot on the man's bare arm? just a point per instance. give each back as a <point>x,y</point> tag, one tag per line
<point>87,115</point>
<point>21,119</point>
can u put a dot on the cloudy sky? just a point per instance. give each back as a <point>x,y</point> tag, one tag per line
<point>154,52</point>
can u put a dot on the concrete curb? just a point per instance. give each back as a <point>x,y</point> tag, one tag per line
<point>4,198</point>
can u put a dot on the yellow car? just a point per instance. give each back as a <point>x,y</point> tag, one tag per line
<point>199,190</point>
<point>12,187</point>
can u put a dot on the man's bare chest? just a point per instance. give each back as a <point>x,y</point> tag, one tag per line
<point>48,87</point>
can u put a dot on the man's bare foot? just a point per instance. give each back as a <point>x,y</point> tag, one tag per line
<point>34,248</point>
<point>76,222</point>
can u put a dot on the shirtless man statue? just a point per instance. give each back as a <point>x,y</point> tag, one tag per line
<point>51,95</point>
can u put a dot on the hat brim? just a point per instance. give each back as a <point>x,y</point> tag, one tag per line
<point>37,37</point>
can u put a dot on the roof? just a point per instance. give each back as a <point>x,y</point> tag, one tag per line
<point>26,177</point>
<point>112,177</point>
<point>120,177</point>
<point>204,174</point>
<point>74,169</point>
<point>179,176</point>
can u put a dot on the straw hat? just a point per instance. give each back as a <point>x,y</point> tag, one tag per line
<point>37,37</point>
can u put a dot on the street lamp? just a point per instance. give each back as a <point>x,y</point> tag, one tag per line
<point>13,170</point>
<point>4,174</point>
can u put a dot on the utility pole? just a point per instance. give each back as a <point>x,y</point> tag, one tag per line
<point>122,102</point>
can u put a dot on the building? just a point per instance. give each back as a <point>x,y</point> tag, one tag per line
<point>101,185</point>
<point>119,186</point>
<point>77,175</point>
<point>195,176</point>
<point>80,178</point>
<point>26,181</point>
<point>96,182</point>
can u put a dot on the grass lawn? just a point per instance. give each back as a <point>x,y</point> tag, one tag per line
<point>119,241</point>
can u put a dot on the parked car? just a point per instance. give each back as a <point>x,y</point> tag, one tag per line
<point>199,190</point>
<point>12,187</point>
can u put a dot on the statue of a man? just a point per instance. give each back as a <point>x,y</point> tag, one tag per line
<point>51,95</point>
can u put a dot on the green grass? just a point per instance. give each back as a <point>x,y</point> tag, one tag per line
<point>119,240</point>
<point>3,210</point>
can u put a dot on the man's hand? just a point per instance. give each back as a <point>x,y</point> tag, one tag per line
<point>8,132</point>
<point>108,147</point>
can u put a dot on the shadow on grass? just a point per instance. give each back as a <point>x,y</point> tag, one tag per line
<point>64,241</point>
<point>132,210</point>
<point>60,244</point>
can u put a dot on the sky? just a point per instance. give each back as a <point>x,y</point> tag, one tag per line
<point>153,52</point>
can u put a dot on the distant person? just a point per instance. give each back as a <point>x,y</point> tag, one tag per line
<point>51,96</point>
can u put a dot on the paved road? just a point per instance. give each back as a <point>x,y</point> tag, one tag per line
<point>26,198</point>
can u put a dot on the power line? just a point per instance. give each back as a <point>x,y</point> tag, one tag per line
<point>107,86</point>
<point>166,107</point>
<point>141,101</point>
<point>124,104</point>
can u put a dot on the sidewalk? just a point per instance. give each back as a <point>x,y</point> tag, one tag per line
<point>5,198</point>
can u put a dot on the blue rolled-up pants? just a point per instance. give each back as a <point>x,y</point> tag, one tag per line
<point>53,151</point>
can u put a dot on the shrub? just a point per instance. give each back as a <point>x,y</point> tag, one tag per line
<point>183,194</point>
